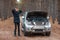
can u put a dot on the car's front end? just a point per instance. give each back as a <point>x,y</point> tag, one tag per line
<point>37,22</point>
<point>38,28</point>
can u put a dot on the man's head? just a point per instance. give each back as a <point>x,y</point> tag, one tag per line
<point>16,8</point>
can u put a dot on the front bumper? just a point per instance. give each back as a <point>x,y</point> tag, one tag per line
<point>38,31</point>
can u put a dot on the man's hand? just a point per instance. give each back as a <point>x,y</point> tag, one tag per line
<point>20,11</point>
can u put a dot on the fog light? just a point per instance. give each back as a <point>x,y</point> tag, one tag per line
<point>33,30</point>
<point>43,30</point>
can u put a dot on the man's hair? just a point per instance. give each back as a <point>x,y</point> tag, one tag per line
<point>16,7</point>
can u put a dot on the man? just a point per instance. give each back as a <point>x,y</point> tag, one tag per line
<point>16,13</point>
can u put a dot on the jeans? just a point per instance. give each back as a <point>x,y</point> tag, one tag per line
<point>17,25</point>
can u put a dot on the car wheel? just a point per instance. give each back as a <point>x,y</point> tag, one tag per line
<point>48,33</point>
<point>25,34</point>
<point>44,34</point>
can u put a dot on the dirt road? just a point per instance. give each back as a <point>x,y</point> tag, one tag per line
<point>7,32</point>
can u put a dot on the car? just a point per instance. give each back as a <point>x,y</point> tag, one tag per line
<point>36,22</point>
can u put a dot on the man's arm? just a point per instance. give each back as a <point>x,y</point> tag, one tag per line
<point>20,11</point>
<point>13,12</point>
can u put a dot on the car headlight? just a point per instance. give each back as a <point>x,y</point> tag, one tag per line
<point>42,22</point>
<point>47,28</point>
<point>46,23</point>
<point>28,29</point>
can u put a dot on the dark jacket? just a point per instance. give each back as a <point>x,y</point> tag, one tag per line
<point>16,16</point>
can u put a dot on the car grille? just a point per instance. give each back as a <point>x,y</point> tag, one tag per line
<point>38,29</point>
<point>38,23</point>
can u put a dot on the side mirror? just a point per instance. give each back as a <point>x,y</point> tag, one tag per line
<point>22,16</point>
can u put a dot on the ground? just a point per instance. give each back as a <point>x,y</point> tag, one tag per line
<point>7,32</point>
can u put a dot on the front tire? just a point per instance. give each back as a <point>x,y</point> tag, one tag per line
<point>25,33</point>
<point>48,33</point>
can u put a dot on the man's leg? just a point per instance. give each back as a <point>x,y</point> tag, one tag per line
<point>15,29</point>
<point>18,29</point>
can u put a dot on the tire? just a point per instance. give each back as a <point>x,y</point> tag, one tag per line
<point>26,33</point>
<point>48,33</point>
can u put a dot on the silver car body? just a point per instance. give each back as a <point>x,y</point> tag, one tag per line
<point>35,27</point>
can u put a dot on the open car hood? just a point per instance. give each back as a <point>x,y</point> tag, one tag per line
<point>37,17</point>
<point>37,13</point>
